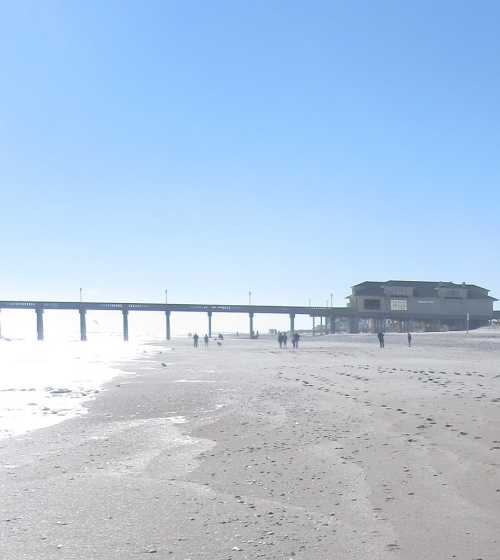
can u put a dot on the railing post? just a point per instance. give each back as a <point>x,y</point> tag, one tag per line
<point>167,320</point>
<point>39,323</point>
<point>83,324</point>
<point>125,323</point>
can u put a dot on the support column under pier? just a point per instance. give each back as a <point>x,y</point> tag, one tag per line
<point>167,324</point>
<point>314,326</point>
<point>83,325</point>
<point>353,325</point>
<point>210,323</point>
<point>125,324</point>
<point>250,316</point>
<point>332,324</point>
<point>292,323</point>
<point>39,323</point>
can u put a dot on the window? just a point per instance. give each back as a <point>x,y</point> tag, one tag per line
<point>399,305</point>
<point>372,303</point>
<point>405,291</point>
<point>452,293</point>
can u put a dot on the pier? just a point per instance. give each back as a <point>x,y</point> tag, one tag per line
<point>326,315</point>
<point>167,308</point>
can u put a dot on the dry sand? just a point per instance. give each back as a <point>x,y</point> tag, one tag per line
<point>339,450</point>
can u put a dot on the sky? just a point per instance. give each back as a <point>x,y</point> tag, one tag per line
<point>293,149</point>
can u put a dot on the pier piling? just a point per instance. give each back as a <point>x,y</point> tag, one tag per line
<point>39,323</point>
<point>83,324</point>
<point>167,321</point>
<point>125,324</point>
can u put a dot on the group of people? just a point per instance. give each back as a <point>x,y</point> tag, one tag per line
<point>206,339</point>
<point>381,339</point>
<point>283,339</point>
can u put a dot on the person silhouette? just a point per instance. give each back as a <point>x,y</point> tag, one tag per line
<point>381,341</point>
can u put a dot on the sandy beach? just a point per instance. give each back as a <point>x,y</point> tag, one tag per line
<point>339,450</point>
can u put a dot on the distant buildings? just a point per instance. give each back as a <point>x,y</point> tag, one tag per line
<point>422,305</point>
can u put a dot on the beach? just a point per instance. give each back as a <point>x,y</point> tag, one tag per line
<point>337,450</point>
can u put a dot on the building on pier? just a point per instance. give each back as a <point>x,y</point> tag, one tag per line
<point>414,305</point>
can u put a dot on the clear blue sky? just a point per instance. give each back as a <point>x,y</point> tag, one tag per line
<point>291,148</point>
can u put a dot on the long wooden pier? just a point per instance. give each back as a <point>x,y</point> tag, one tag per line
<point>167,308</point>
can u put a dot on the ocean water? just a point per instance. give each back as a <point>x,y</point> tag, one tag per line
<point>42,383</point>
<point>45,382</point>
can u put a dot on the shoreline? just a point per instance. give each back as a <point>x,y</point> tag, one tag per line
<point>44,384</point>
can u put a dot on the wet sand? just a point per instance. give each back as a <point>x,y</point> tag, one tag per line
<point>339,450</point>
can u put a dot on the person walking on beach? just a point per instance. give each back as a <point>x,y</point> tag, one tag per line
<point>195,340</point>
<point>381,341</point>
<point>280,339</point>
<point>285,339</point>
<point>295,340</point>
<point>205,338</point>
<point>409,339</point>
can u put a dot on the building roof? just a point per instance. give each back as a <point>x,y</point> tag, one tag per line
<point>421,289</point>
